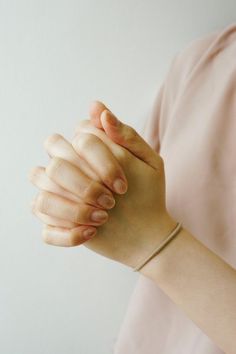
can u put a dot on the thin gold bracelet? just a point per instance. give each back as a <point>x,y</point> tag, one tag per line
<point>160,247</point>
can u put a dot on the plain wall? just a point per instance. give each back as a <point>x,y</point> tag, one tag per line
<point>55,57</point>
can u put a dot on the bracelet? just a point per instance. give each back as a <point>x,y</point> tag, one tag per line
<point>161,246</point>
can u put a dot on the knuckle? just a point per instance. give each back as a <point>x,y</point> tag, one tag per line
<point>110,174</point>
<point>51,140</point>
<point>122,154</point>
<point>107,175</point>
<point>45,236</point>
<point>90,190</point>
<point>130,134</point>
<point>74,239</point>
<point>78,214</point>
<point>42,202</point>
<point>84,141</point>
<point>82,214</point>
<point>54,166</point>
<point>82,124</point>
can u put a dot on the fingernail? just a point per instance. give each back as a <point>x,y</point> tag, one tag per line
<point>112,119</point>
<point>106,201</point>
<point>99,215</point>
<point>120,186</point>
<point>89,233</point>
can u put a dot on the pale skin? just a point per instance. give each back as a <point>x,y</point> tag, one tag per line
<point>135,219</point>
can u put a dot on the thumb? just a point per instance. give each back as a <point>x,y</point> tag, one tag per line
<point>128,137</point>
<point>122,134</point>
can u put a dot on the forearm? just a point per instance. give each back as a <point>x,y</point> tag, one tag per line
<point>201,283</point>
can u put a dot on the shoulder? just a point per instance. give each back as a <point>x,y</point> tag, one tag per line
<point>188,58</point>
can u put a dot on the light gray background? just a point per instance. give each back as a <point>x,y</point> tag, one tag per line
<point>55,57</point>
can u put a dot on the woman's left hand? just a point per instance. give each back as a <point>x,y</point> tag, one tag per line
<point>139,220</point>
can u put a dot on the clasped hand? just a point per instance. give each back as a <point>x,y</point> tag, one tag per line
<point>105,190</point>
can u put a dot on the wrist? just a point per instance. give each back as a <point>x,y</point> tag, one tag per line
<point>153,235</point>
<point>159,267</point>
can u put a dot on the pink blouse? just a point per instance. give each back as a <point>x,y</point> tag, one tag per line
<point>193,127</point>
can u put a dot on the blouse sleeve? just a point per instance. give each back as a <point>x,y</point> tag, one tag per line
<point>181,67</point>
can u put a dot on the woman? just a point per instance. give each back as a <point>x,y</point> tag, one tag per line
<point>184,301</point>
